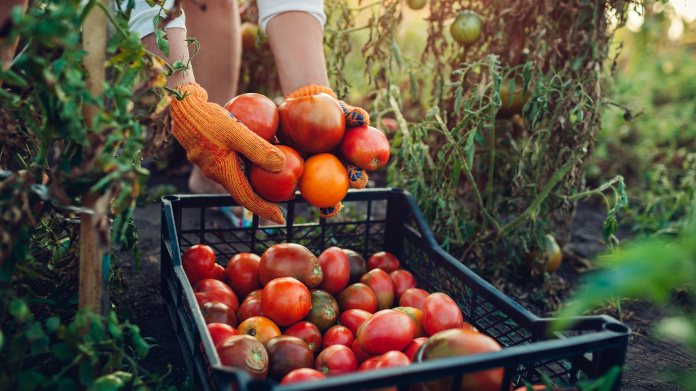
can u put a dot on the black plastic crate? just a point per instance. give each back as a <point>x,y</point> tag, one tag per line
<point>378,220</point>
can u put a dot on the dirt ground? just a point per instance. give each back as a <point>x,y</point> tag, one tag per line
<point>648,359</point>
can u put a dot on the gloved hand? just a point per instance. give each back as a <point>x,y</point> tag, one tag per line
<point>355,116</point>
<point>213,140</point>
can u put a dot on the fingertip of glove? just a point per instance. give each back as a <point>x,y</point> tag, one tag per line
<point>331,211</point>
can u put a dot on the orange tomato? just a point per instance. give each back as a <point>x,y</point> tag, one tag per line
<point>260,328</point>
<point>325,180</point>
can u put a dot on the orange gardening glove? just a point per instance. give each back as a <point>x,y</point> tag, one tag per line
<point>213,139</point>
<point>355,116</point>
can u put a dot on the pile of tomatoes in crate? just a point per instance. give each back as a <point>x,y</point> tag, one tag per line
<point>311,132</point>
<point>303,317</point>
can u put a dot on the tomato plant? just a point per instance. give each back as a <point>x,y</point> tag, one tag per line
<point>336,268</point>
<point>366,147</point>
<point>312,124</point>
<point>290,260</point>
<point>258,112</point>
<point>242,274</point>
<point>325,180</point>
<point>286,300</point>
<point>278,186</point>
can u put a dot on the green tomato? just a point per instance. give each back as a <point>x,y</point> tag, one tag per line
<point>416,4</point>
<point>466,28</point>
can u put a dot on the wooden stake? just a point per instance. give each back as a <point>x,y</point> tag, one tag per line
<point>94,263</point>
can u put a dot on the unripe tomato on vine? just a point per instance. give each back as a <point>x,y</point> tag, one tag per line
<point>466,28</point>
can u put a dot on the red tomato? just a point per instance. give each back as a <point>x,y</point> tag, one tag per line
<point>383,260</point>
<point>220,332</point>
<point>336,268</point>
<point>357,265</point>
<point>366,147</point>
<point>258,112</point>
<point>198,262</point>
<point>416,316</point>
<point>412,348</point>
<point>336,360</point>
<point>360,354</point>
<point>259,327</point>
<point>413,297</point>
<point>312,124</point>
<point>538,387</point>
<point>287,353</point>
<point>386,330</point>
<point>302,375</point>
<point>391,124</point>
<point>440,313</point>
<point>249,31</point>
<point>215,312</point>
<point>210,289</point>
<point>383,287</point>
<point>369,364</point>
<point>278,186</point>
<point>286,300</point>
<point>307,332</point>
<point>392,358</point>
<point>357,296</point>
<point>246,353</point>
<point>218,272</point>
<point>242,274</point>
<point>290,260</point>
<point>251,306</point>
<point>338,335</point>
<point>324,182</point>
<point>353,319</point>
<point>402,280</point>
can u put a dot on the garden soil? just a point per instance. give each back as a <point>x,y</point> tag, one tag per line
<point>648,364</point>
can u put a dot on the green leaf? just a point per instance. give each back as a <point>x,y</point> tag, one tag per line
<point>162,43</point>
<point>86,373</point>
<point>40,345</point>
<point>456,171</point>
<point>30,379</point>
<point>19,310</point>
<point>52,324</point>
<point>63,351</point>
<point>610,227</point>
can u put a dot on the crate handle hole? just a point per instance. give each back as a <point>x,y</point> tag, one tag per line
<point>615,327</point>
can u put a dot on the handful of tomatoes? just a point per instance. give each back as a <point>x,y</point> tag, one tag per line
<point>311,132</point>
<point>304,317</point>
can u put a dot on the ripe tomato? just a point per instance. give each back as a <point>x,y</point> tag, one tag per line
<point>302,375</point>
<point>357,296</point>
<point>353,319</point>
<point>259,327</point>
<point>220,332</point>
<point>218,272</point>
<point>215,312</point>
<point>366,147</point>
<point>307,332</point>
<point>383,287</point>
<point>548,258</point>
<point>251,306</point>
<point>249,31</point>
<point>210,289</point>
<point>412,348</point>
<point>416,316</point>
<point>392,358</point>
<point>402,280</point>
<point>290,260</point>
<point>325,180</point>
<point>512,102</point>
<point>242,273</point>
<point>440,313</point>
<point>466,27</point>
<point>198,262</point>
<point>369,364</point>
<point>413,297</point>
<point>360,354</point>
<point>337,335</point>
<point>324,311</point>
<point>383,260</point>
<point>537,387</point>
<point>459,342</point>
<point>386,330</point>
<point>246,353</point>
<point>287,353</point>
<point>336,360</point>
<point>286,300</point>
<point>357,265</point>
<point>336,268</point>
<point>312,124</point>
<point>278,186</point>
<point>258,112</point>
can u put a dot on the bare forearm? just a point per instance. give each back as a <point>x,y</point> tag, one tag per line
<point>178,51</point>
<point>296,39</point>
